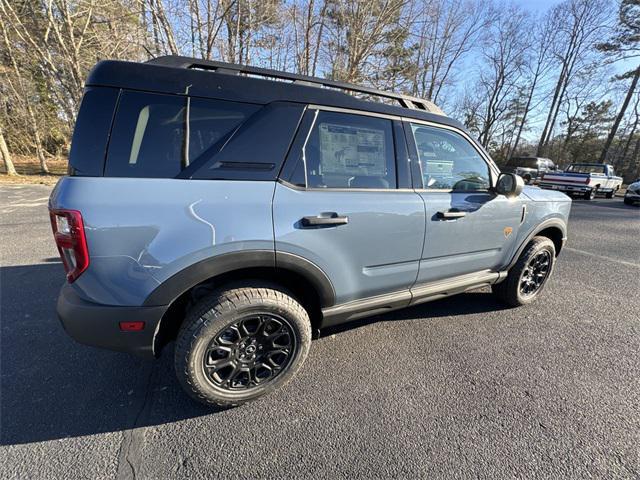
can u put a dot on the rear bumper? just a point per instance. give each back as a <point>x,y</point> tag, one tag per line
<point>98,325</point>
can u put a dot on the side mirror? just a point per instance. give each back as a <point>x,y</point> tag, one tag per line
<point>509,184</point>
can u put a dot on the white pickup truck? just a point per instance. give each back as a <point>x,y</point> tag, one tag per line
<point>586,179</point>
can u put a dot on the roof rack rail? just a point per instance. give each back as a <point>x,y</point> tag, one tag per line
<point>405,101</point>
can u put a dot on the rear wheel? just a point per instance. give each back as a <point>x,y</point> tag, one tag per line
<point>590,194</point>
<point>241,343</point>
<point>528,277</point>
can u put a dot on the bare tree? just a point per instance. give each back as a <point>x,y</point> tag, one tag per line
<point>537,66</point>
<point>616,124</point>
<point>356,31</point>
<point>6,156</point>
<point>579,24</point>
<point>505,59</point>
<point>624,44</point>
<point>446,31</point>
<point>22,95</point>
<point>308,21</point>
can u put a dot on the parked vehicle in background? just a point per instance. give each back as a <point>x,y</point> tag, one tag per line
<point>208,204</point>
<point>586,179</point>
<point>529,168</point>
<point>632,195</point>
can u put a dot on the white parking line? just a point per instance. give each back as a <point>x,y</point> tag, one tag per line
<point>602,257</point>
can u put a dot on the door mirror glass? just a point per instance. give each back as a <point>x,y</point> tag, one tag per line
<point>509,184</point>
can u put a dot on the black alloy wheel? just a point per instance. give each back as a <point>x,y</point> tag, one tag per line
<point>528,277</point>
<point>249,352</point>
<point>535,273</point>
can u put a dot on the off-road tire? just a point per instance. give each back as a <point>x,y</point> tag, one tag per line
<point>212,314</point>
<point>508,291</point>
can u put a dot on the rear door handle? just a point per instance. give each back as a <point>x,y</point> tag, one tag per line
<point>325,218</point>
<point>451,214</point>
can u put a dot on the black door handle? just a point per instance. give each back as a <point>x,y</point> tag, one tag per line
<point>325,218</point>
<point>451,214</point>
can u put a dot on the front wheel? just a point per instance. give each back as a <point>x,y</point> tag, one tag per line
<point>241,343</point>
<point>528,277</point>
<point>612,193</point>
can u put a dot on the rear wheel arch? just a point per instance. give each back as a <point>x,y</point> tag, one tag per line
<point>305,280</point>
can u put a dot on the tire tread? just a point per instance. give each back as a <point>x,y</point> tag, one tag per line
<point>212,308</point>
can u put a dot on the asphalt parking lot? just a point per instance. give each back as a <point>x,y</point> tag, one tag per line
<point>456,388</point>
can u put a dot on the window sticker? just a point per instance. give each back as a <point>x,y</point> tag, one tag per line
<point>351,150</point>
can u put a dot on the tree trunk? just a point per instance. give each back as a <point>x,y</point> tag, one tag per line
<point>524,119</point>
<point>6,156</point>
<point>616,123</point>
<point>554,101</point>
<point>634,127</point>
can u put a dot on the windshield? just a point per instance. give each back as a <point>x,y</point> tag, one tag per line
<point>523,162</point>
<point>585,168</point>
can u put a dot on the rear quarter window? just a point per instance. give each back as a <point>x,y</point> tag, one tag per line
<point>91,133</point>
<point>158,136</point>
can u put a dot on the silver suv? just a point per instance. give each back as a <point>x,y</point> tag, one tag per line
<point>238,211</point>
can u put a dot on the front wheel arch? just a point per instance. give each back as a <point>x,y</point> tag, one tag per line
<point>554,229</point>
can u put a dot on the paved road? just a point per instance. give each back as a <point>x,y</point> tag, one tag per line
<point>456,388</point>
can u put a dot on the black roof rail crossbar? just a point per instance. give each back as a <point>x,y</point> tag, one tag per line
<point>407,101</point>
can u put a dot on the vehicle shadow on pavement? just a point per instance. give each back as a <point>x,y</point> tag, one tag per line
<point>52,387</point>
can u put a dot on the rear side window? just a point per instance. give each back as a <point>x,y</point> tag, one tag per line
<point>157,136</point>
<point>147,139</point>
<point>350,151</point>
<point>211,122</point>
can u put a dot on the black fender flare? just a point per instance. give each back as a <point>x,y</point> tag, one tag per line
<point>211,267</point>
<point>550,223</point>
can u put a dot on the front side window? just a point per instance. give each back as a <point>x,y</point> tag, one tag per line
<point>350,151</point>
<point>448,161</point>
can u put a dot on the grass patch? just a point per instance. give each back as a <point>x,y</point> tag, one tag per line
<point>28,169</point>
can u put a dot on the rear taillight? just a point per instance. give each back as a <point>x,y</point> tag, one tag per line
<point>68,230</point>
<point>587,180</point>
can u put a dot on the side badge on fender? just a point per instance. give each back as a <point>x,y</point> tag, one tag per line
<point>507,231</point>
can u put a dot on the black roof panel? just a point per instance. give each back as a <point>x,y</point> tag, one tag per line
<point>182,76</point>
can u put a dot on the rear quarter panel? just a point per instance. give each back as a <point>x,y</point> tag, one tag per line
<point>140,232</point>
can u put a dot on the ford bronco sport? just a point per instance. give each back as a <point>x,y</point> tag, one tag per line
<point>239,210</point>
